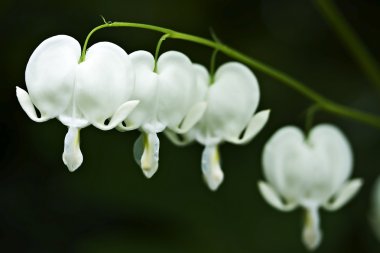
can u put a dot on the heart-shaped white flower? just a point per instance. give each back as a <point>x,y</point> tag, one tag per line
<point>232,100</point>
<point>78,94</point>
<point>308,172</point>
<point>167,100</point>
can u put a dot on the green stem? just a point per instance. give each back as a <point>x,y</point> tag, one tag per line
<point>120,24</point>
<point>310,117</point>
<point>324,103</point>
<point>163,37</point>
<point>350,40</point>
<point>212,66</point>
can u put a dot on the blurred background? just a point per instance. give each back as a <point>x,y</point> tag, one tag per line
<point>109,206</point>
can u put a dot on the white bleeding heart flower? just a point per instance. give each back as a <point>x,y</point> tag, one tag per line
<point>232,100</point>
<point>310,172</point>
<point>78,94</point>
<point>167,100</point>
<point>375,215</point>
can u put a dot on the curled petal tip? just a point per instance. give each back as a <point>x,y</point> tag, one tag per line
<point>345,194</point>
<point>121,114</point>
<point>72,156</point>
<point>123,127</point>
<point>27,105</point>
<point>273,198</point>
<point>254,126</point>
<point>192,117</point>
<point>174,138</point>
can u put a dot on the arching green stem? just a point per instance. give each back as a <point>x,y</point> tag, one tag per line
<point>284,78</point>
<point>120,24</point>
<point>163,37</point>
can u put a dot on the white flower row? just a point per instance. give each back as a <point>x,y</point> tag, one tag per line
<point>111,89</point>
<point>127,91</point>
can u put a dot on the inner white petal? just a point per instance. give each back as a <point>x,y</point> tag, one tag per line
<point>146,153</point>
<point>312,234</point>
<point>73,122</point>
<point>154,126</point>
<point>72,156</point>
<point>211,169</point>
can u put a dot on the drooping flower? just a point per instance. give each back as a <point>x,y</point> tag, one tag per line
<point>232,99</point>
<point>310,172</point>
<point>78,94</point>
<point>167,100</point>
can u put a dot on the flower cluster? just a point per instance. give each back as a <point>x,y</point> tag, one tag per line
<point>111,89</point>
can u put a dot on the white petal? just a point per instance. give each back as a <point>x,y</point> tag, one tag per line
<point>199,95</point>
<point>330,142</point>
<point>191,118</point>
<point>146,90</point>
<point>70,121</point>
<point>345,194</point>
<point>50,74</point>
<point>255,125</point>
<point>173,137</point>
<point>311,235</point>
<point>146,153</point>
<point>126,127</point>
<point>211,169</point>
<point>200,89</point>
<point>27,105</point>
<point>142,60</point>
<point>72,116</point>
<point>232,100</point>
<point>276,157</point>
<point>272,197</point>
<point>121,113</point>
<point>104,82</point>
<point>176,80</point>
<point>138,148</point>
<point>72,156</point>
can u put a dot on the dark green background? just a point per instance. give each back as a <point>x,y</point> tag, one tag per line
<point>109,206</point>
